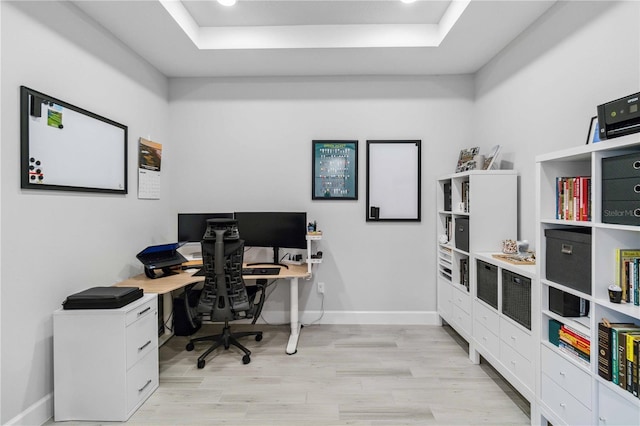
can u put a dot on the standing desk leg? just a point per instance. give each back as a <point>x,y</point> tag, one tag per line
<point>292,346</point>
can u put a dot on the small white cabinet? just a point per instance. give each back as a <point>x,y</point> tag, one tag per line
<point>504,339</point>
<point>105,360</point>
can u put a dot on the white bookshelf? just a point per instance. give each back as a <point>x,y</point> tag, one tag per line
<point>570,391</point>
<point>492,213</point>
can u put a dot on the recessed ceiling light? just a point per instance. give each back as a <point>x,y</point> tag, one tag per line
<point>229,2</point>
<point>403,1</point>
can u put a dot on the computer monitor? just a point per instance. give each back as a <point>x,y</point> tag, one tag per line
<point>192,226</point>
<point>273,229</point>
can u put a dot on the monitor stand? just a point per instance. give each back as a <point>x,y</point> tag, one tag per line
<point>276,262</point>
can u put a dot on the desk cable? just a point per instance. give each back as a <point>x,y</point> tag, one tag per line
<point>321,313</point>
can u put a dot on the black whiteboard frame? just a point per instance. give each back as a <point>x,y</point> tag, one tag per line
<point>25,94</point>
<point>370,217</point>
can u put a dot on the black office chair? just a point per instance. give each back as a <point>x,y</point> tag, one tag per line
<point>224,296</point>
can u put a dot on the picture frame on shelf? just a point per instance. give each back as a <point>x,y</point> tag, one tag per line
<point>492,158</point>
<point>465,160</point>
<point>334,166</point>
<point>594,131</point>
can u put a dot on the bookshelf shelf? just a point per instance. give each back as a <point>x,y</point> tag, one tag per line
<point>608,402</point>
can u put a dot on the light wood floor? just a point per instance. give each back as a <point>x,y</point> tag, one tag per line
<point>341,375</point>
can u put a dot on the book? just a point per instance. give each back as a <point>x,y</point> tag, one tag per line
<point>622,356</point>
<point>616,330</point>
<point>604,349</point>
<point>623,258</point>
<point>577,343</point>
<point>636,367</point>
<point>631,338</point>
<point>554,331</point>
<point>573,198</point>
<point>573,353</point>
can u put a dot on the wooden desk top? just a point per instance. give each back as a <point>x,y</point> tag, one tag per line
<point>163,285</point>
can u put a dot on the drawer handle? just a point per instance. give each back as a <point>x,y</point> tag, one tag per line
<point>513,338</point>
<point>602,419</point>
<point>636,212</point>
<point>562,373</point>
<point>145,386</point>
<point>144,310</point>
<point>636,164</point>
<point>563,405</point>
<point>567,249</point>
<point>636,188</point>
<point>144,346</point>
<point>513,362</point>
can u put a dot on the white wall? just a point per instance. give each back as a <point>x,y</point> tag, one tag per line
<point>57,243</point>
<point>248,146</point>
<point>539,94</point>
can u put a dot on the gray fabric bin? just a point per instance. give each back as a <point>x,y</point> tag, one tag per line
<point>568,257</point>
<point>487,275</point>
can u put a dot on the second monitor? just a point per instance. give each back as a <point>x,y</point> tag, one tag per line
<point>273,229</point>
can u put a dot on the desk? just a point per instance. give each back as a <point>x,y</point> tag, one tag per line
<point>165,285</point>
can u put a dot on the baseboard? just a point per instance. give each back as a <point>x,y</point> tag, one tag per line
<point>355,317</point>
<point>37,414</point>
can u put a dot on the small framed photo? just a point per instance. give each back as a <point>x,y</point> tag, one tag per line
<point>334,170</point>
<point>594,131</point>
<point>465,160</point>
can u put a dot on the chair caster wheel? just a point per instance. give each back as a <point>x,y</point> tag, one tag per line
<point>190,346</point>
<point>258,337</point>
<point>246,359</point>
<point>201,363</point>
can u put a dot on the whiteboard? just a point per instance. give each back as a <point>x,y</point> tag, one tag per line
<point>64,147</point>
<point>393,180</point>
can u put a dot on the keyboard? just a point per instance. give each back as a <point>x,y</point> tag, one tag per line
<point>260,271</point>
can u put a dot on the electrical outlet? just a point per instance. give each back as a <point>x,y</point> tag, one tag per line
<point>321,287</point>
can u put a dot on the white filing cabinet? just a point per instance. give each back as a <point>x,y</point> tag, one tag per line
<point>105,360</point>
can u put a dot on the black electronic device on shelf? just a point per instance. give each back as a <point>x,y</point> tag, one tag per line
<point>619,117</point>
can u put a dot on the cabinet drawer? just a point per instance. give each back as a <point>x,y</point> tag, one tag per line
<point>520,366</point>
<point>462,319</point>
<point>462,300</point>
<point>142,380</point>
<point>445,291</point>
<point>487,339</point>
<point>486,316</point>
<point>565,406</point>
<point>568,376</point>
<point>142,311</point>
<point>142,338</point>
<point>517,338</point>
<point>613,409</point>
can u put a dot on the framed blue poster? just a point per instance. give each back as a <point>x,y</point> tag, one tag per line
<point>334,170</point>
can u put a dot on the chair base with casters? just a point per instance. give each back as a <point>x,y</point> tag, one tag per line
<point>226,339</point>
